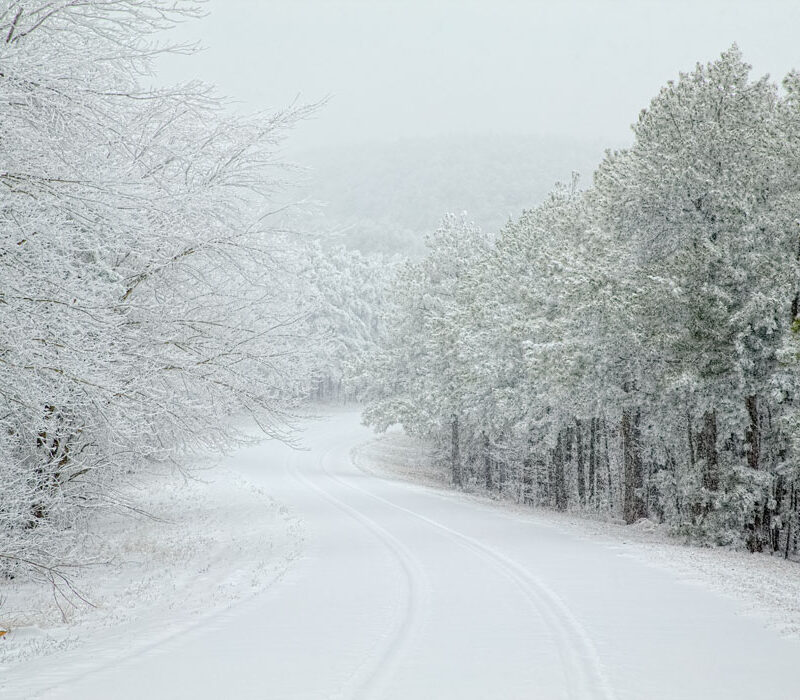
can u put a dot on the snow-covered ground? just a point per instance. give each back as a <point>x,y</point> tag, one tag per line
<point>410,591</point>
<point>766,587</point>
<point>210,539</point>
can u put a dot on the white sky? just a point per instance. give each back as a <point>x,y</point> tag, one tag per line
<point>405,68</point>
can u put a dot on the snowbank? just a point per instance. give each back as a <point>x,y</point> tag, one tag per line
<point>205,543</point>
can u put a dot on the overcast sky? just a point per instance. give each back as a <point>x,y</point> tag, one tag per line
<point>404,68</point>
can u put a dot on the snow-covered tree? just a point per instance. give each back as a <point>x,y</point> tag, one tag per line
<point>631,347</point>
<point>348,315</point>
<point>703,204</point>
<point>144,298</point>
<point>417,375</point>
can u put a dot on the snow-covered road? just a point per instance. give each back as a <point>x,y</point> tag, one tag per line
<point>406,592</point>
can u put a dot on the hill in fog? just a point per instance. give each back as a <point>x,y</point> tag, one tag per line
<point>384,197</point>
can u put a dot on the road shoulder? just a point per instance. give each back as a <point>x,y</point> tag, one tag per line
<point>762,586</point>
<point>209,540</point>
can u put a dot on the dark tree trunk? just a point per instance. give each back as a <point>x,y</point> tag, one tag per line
<point>753,434</point>
<point>559,480</point>
<point>542,481</point>
<point>592,460</point>
<point>775,529</point>
<point>672,465</point>
<point>755,537</point>
<point>790,519</point>
<point>693,455</point>
<point>580,462</point>
<point>607,459</point>
<point>455,456</point>
<point>501,470</point>
<point>487,463</point>
<point>526,495</point>
<point>710,455</point>
<point>633,504</point>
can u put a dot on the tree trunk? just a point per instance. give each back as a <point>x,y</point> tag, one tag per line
<point>487,463</point>
<point>526,487</point>
<point>755,537</point>
<point>633,504</point>
<point>592,461</point>
<point>753,434</point>
<point>776,516</point>
<point>710,455</point>
<point>580,462</point>
<point>455,455</point>
<point>790,520</point>
<point>607,457</point>
<point>559,481</point>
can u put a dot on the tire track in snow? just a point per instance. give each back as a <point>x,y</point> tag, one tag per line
<point>564,648</point>
<point>583,668</point>
<point>371,682</point>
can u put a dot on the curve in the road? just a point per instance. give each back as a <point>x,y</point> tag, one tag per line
<point>583,668</point>
<point>368,683</point>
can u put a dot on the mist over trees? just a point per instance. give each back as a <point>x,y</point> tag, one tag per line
<point>629,349</point>
<point>384,197</point>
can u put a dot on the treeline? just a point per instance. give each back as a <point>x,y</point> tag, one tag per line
<point>629,349</point>
<point>144,297</point>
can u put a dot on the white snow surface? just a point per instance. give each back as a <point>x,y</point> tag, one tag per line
<point>765,586</point>
<point>210,539</point>
<point>409,591</point>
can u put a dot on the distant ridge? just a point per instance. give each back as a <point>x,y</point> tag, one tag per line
<point>384,197</point>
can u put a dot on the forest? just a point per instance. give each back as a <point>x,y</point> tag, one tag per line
<point>628,349</point>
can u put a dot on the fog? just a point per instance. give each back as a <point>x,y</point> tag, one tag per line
<point>397,70</point>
